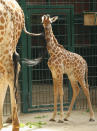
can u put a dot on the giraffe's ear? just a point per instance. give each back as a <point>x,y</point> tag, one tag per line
<point>53,19</point>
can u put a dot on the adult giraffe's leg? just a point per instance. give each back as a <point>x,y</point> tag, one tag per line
<point>15,120</point>
<point>55,99</point>
<point>3,89</point>
<point>75,94</point>
<point>9,119</point>
<point>87,94</point>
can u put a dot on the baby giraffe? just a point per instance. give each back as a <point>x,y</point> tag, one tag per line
<point>61,62</point>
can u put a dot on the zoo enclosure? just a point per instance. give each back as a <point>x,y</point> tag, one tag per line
<point>70,31</point>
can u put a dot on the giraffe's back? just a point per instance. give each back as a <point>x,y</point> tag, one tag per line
<point>11,23</point>
<point>74,66</point>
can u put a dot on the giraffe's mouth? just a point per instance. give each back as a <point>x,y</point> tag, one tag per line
<point>42,19</point>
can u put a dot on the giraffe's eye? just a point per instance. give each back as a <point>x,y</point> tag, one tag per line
<point>44,16</point>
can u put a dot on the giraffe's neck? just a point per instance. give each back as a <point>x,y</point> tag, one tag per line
<point>51,40</point>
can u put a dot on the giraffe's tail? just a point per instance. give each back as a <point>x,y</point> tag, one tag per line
<point>31,34</point>
<point>17,67</point>
<point>25,30</point>
<point>32,62</point>
<point>87,85</point>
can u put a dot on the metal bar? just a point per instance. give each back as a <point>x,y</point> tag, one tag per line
<point>72,24</point>
<point>29,57</point>
<point>49,105</point>
<point>44,11</point>
<point>24,68</point>
<point>50,7</point>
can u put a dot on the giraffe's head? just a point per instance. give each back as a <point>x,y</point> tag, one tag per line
<point>46,20</point>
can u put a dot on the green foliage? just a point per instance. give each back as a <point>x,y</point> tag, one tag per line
<point>87,110</point>
<point>40,117</point>
<point>22,125</point>
<point>37,124</point>
<point>33,124</point>
<point>58,113</point>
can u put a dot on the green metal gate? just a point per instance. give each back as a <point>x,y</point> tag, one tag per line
<point>36,83</point>
<point>37,89</point>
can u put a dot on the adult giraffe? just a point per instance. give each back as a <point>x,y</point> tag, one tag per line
<point>61,62</point>
<point>11,24</point>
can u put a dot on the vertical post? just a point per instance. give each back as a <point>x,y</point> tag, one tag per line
<point>69,47</point>
<point>24,68</point>
<point>93,8</point>
<point>69,30</point>
<point>48,2</point>
<point>70,21</point>
<point>72,27</point>
<point>73,42</point>
<point>29,56</point>
<point>93,5</point>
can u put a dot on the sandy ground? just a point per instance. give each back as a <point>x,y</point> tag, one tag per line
<point>78,121</point>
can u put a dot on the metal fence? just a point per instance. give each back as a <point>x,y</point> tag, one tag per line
<point>70,31</point>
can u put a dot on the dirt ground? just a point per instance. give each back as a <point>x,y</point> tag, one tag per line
<point>78,121</point>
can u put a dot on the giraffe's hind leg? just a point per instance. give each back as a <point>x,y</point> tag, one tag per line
<point>75,94</point>
<point>87,94</point>
<point>3,88</point>
<point>15,120</point>
<point>9,119</point>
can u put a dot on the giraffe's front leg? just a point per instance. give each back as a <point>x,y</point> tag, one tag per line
<point>55,99</point>
<point>59,83</point>
<point>60,87</point>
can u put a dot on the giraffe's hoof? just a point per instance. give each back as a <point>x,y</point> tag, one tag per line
<point>9,120</point>
<point>15,128</point>
<point>52,120</point>
<point>91,120</point>
<point>60,121</point>
<point>65,119</point>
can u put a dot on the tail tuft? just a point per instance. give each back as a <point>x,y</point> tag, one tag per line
<point>17,67</point>
<point>32,62</point>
